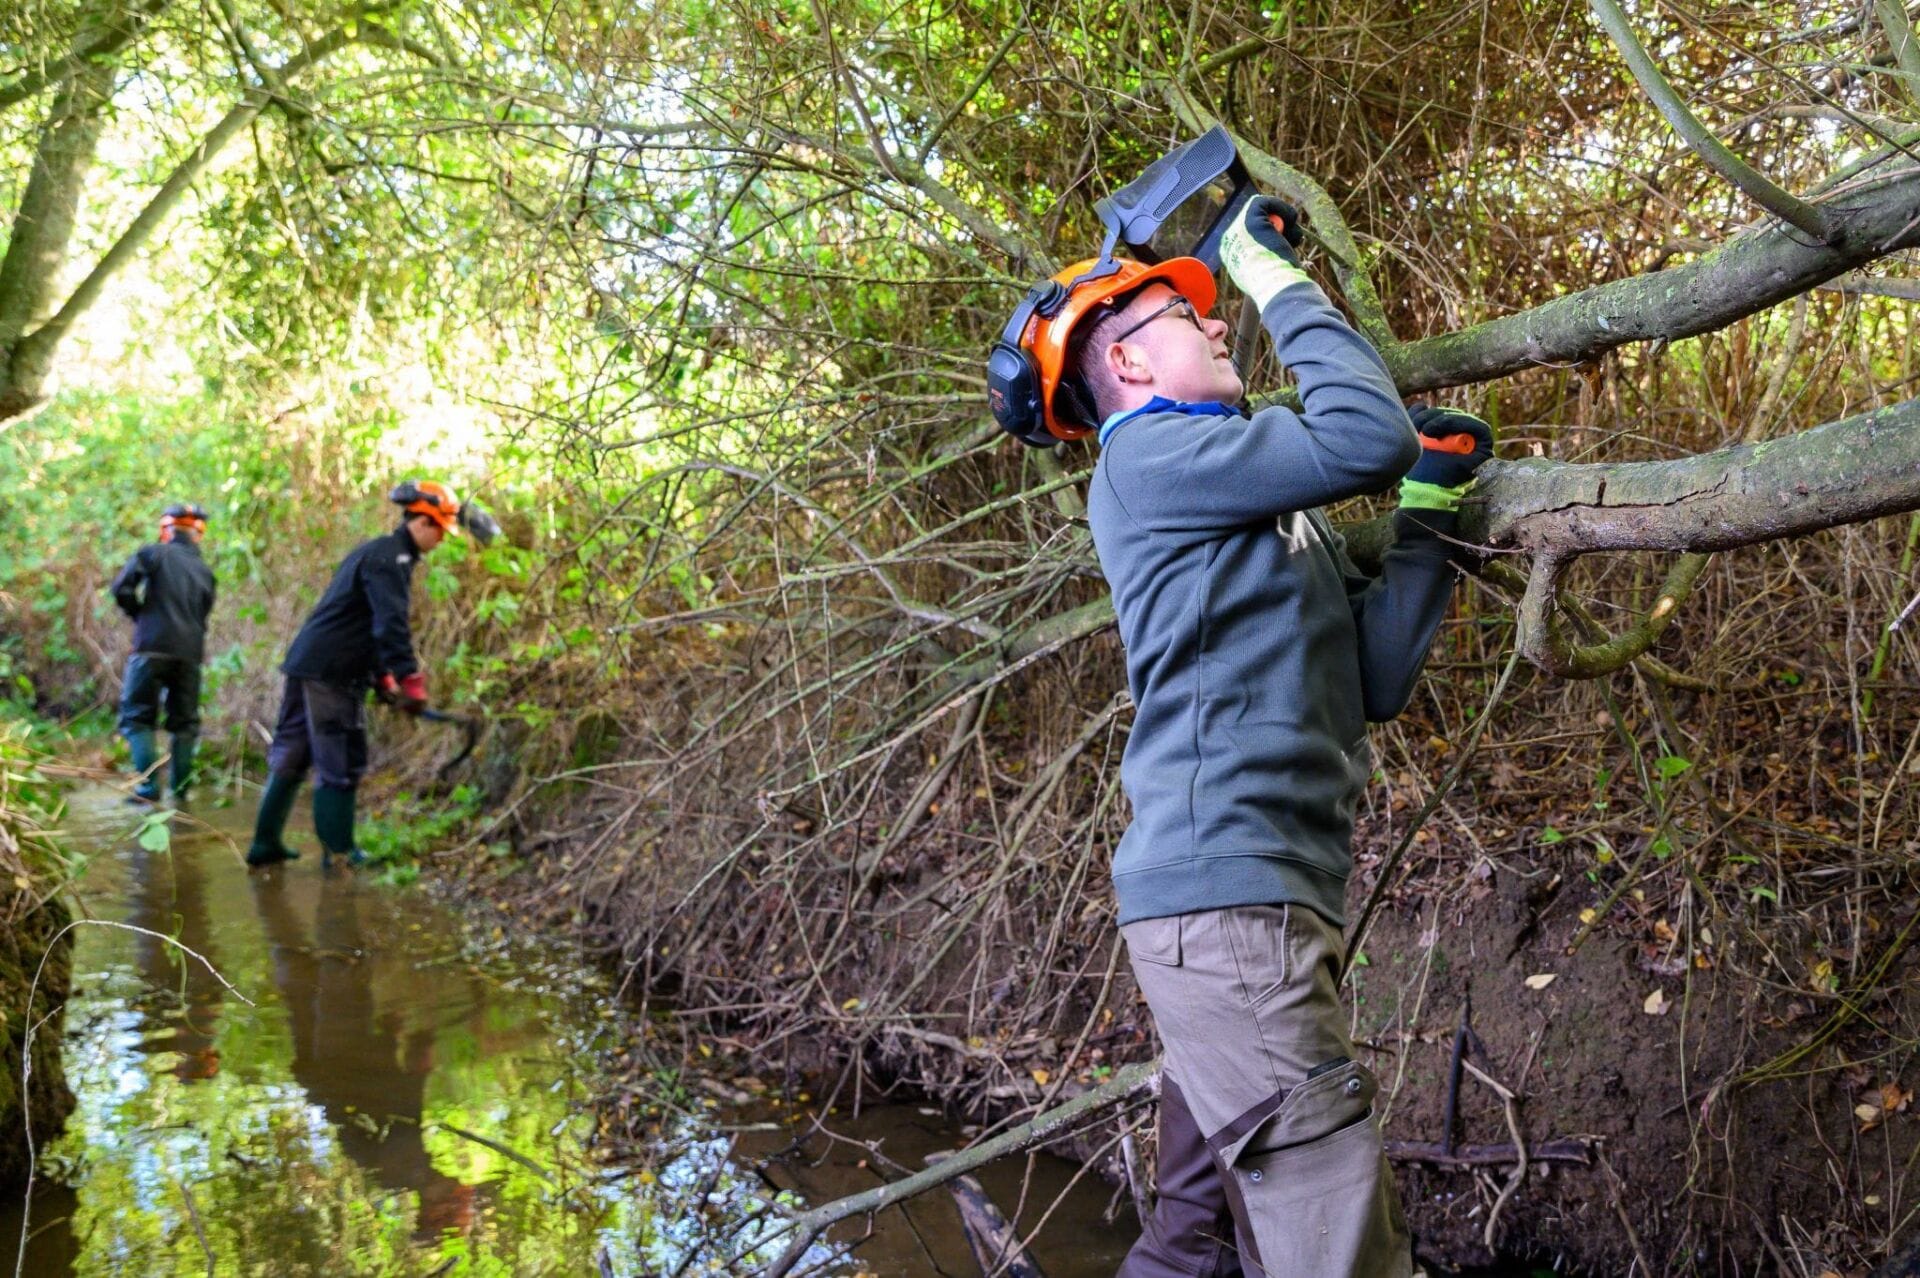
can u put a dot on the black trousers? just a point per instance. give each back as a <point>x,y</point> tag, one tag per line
<point>154,684</point>
<point>323,727</point>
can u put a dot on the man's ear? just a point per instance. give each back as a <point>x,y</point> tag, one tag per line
<point>1128,364</point>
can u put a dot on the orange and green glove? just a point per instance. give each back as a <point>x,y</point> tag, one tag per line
<point>1453,446</point>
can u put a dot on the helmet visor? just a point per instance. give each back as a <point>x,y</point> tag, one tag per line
<point>475,519</point>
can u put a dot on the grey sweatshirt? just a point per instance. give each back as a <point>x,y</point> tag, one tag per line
<point>1256,651</point>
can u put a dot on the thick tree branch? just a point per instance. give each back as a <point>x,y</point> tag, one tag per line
<point>32,356</point>
<point>1745,275</point>
<point>49,207</point>
<point>1844,472</point>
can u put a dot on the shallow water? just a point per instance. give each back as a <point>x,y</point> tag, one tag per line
<point>365,1098</point>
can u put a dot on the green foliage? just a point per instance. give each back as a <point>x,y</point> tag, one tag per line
<point>409,826</point>
<point>155,833</point>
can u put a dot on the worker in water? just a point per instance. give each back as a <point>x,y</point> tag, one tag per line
<point>168,591</point>
<point>1256,654</point>
<point>358,637</point>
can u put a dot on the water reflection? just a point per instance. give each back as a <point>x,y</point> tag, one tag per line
<point>380,1108</point>
<point>366,1067</point>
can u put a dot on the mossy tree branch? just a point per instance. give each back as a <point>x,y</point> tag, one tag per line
<point>1747,274</point>
<point>1844,472</point>
<point>1327,224</point>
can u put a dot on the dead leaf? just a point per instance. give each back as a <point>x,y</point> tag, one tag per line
<point>1540,980</point>
<point>1869,1116</point>
<point>1041,1076</point>
<point>1894,1098</point>
<point>1656,1004</point>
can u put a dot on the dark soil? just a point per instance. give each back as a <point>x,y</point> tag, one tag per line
<point>1692,1165</point>
<point>48,1100</point>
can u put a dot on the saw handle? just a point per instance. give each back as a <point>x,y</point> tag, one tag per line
<point>1462,443</point>
<point>1280,223</point>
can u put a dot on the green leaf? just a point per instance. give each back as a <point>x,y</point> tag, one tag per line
<point>1670,766</point>
<point>1550,835</point>
<point>155,835</point>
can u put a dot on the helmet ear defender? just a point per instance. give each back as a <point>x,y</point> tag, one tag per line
<point>1013,378</point>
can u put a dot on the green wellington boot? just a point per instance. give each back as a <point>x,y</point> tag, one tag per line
<point>185,744</point>
<point>276,803</point>
<point>140,746</point>
<point>333,822</point>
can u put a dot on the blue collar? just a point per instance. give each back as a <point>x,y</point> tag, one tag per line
<point>1161,404</point>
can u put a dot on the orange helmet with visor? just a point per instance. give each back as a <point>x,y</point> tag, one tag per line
<point>1029,364</point>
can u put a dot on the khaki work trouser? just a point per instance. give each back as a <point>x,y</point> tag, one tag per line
<point>1248,1011</point>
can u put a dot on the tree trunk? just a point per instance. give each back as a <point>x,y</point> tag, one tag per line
<point>43,225</point>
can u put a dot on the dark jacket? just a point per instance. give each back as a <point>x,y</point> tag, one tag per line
<point>359,628</point>
<point>168,590</point>
<point>1256,652</point>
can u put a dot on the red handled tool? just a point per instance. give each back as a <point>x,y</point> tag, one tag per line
<point>1462,443</point>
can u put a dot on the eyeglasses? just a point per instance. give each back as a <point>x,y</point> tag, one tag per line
<point>1178,305</point>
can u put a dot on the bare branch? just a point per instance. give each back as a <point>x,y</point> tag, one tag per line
<point>1788,207</point>
<point>102,44</point>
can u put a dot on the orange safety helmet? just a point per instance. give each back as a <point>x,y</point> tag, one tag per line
<point>437,501</point>
<point>188,515</point>
<point>428,497</point>
<point>1029,362</point>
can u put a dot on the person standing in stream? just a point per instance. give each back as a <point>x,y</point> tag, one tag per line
<point>358,637</point>
<point>1256,655</point>
<point>167,590</point>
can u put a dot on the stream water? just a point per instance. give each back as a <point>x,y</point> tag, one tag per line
<point>375,1084</point>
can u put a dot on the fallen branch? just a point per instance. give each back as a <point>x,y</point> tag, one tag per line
<point>1566,1149</point>
<point>1040,1130</point>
